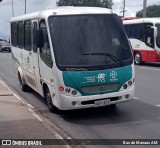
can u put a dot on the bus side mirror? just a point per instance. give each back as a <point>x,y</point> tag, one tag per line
<point>40,38</point>
<point>155,30</point>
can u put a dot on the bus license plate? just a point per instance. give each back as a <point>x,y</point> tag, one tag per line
<point>102,103</point>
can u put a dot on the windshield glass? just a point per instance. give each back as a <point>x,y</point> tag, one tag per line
<point>158,35</point>
<point>89,41</point>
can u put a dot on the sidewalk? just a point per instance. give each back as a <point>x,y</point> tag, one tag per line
<point>17,122</point>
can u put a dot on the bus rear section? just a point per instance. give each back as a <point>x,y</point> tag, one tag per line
<point>144,38</point>
<point>74,57</point>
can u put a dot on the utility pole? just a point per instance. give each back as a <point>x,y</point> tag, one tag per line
<point>124,7</point>
<point>25,8</point>
<point>144,8</point>
<point>12,9</point>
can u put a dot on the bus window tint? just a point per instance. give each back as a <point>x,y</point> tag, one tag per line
<point>27,26</point>
<point>35,37</point>
<point>135,31</point>
<point>158,35</point>
<point>14,34</point>
<point>20,37</point>
<point>45,50</point>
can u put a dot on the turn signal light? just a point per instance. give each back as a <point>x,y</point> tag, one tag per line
<point>61,88</point>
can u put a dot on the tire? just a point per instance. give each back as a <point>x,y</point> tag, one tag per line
<point>23,87</point>
<point>50,105</point>
<point>137,58</point>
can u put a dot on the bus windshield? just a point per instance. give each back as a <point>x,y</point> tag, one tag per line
<point>92,41</point>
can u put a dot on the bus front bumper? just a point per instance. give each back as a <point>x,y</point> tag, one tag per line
<point>71,103</point>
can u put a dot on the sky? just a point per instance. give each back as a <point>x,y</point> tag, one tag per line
<point>132,6</point>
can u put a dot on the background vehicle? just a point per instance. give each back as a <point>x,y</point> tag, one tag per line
<point>144,35</point>
<point>5,46</point>
<point>82,58</point>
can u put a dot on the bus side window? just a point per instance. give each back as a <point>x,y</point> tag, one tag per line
<point>136,31</point>
<point>27,39</point>
<point>45,51</point>
<point>20,35</point>
<point>149,35</point>
<point>35,37</point>
<point>127,29</point>
<point>14,34</point>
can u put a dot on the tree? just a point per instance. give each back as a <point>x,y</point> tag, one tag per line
<point>1,0</point>
<point>152,11</point>
<point>94,3</point>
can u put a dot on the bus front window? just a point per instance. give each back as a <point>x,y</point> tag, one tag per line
<point>158,35</point>
<point>92,41</point>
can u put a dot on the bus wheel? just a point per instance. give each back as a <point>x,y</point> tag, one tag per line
<point>24,87</point>
<point>48,98</point>
<point>137,58</point>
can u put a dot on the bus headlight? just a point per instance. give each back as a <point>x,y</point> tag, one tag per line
<point>74,92</point>
<point>128,84</point>
<point>69,91</point>
<point>125,86</point>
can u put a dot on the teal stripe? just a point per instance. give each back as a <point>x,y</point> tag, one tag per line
<point>77,80</point>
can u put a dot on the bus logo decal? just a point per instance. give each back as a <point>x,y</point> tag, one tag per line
<point>113,75</point>
<point>101,77</point>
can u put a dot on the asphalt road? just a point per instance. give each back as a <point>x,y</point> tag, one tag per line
<point>133,120</point>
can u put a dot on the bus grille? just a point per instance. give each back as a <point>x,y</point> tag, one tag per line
<point>98,88</point>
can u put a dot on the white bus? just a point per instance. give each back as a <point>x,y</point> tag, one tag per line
<point>144,35</point>
<point>74,57</point>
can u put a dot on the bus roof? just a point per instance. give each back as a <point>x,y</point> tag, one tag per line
<point>142,20</point>
<point>63,10</point>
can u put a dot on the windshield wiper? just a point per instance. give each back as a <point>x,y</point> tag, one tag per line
<point>114,58</point>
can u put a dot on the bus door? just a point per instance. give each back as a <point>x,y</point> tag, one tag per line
<point>45,58</point>
<point>28,62</point>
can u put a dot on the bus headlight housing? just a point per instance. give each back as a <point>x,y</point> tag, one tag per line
<point>69,92</point>
<point>128,84</point>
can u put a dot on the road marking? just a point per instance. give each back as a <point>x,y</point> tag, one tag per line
<point>30,109</point>
<point>149,68</point>
<point>135,98</point>
<point>158,105</point>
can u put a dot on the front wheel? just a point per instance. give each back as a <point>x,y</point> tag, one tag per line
<point>137,58</point>
<point>48,98</point>
<point>23,87</point>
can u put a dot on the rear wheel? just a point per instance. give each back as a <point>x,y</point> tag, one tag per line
<point>50,105</point>
<point>137,58</point>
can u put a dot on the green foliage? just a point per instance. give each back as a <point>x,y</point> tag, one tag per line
<point>93,3</point>
<point>152,11</point>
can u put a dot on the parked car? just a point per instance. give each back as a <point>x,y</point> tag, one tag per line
<point>5,46</point>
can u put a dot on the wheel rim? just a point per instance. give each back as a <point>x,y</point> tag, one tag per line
<point>137,58</point>
<point>49,101</point>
